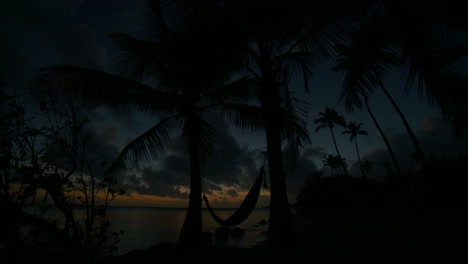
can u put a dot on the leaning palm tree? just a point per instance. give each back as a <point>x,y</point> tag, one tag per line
<point>328,119</point>
<point>384,137</point>
<point>390,39</point>
<point>354,130</point>
<point>164,77</point>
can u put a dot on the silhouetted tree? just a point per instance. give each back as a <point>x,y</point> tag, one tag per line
<point>286,39</point>
<point>280,117</point>
<point>329,118</point>
<point>178,74</point>
<point>330,161</point>
<point>367,167</point>
<point>50,167</point>
<point>384,137</point>
<point>354,130</point>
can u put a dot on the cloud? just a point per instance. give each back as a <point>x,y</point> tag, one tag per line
<point>39,35</point>
<point>435,136</point>
<point>229,170</point>
<point>306,165</point>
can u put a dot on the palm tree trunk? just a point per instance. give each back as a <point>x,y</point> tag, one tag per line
<point>407,126</point>
<point>389,148</point>
<point>337,152</point>
<point>191,232</point>
<point>281,233</point>
<point>359,157</point>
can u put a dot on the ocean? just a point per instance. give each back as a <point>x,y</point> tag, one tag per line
<point>144,227</point>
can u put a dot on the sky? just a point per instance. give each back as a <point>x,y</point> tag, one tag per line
<point>38,34</point>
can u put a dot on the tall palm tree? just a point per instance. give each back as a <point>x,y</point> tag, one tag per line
<point>328,119</point>
<point>283,36</point>
<point>388,39</point>
<point>177,75</point>
<point>354,130</point>
<point>283,120</point>
<point>384,137</point>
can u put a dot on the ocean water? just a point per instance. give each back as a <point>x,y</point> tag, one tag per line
<point>144,227</point>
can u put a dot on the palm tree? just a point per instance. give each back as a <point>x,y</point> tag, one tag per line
<point>164,77</point>
<point>354,130</point>
<point>283,120</point>
<point>330,161</point>
<point>390,39</point>
<point>275,55</point>
<point>329,118</point>
<point>382,134</point>
<point>283,36</point>
<point>367,166</point>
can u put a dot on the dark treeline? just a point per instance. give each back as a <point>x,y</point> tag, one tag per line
<point>237,58</point>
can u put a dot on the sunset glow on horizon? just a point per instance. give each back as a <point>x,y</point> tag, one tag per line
<point>218,200</point>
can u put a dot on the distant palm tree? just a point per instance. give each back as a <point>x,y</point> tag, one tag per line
<point>164,77</point>
<point>328,119</point>
<point>367,166</point>
<point>330,161</point>
<point>354,130</point>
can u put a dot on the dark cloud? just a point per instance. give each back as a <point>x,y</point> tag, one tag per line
<point>306,165</point>
<point>38,34</point>
<point>232,192</point>
<point>435,136</point>
<point>230,168</point>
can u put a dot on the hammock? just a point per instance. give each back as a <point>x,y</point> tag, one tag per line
<point>245,209</point>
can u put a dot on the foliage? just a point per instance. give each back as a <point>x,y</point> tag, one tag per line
<point>439,185</point>
<point>53,194</point>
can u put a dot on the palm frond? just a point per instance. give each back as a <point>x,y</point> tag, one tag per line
<point>363,132</point>
<point>295,132</point>
<point>296,113</point>
<point>199,134</point>
<point>156,23</point>
<point>149,144</point>
<point>178,12</point>
<point>363,63</point>
<point>295,142</point>
<point>101,88</point>
<point>318,128</point>
<point>238,91</point>
<point>290,154</point>
<point>138,59</point>
<point>425,50</point>
<point>251,61</point>
<point>301,62</point>
<point>426,65</point>
<point>247,117</point>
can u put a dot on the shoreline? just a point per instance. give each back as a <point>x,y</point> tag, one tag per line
<point>336,237</point>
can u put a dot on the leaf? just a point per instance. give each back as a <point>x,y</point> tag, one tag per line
<point>246,117</point>
<point>147,145</point>
<point>101,88</point>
